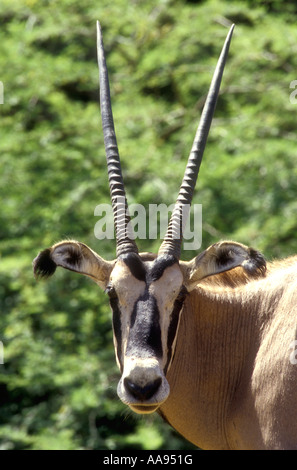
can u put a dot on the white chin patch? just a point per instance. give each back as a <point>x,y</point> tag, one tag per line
<point>144,409</point>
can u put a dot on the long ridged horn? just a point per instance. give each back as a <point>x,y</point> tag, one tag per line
<point>125,243</point>
<point>173,238</point>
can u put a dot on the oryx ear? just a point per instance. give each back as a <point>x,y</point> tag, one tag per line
<point>74,256</point>
<point>222,257</point>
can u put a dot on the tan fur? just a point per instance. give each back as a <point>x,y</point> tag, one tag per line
<point>232,363</point>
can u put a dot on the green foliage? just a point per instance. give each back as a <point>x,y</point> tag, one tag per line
<point>58,383</point>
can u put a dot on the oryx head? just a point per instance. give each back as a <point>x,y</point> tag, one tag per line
<point>147,291</point>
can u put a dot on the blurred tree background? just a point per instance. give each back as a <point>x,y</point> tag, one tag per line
<point>58,381</point>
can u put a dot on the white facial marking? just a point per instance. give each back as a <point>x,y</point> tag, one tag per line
<point>128,290</point>
<point>165,291</point>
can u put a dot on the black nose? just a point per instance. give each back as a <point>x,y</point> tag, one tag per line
<point>142,393</point>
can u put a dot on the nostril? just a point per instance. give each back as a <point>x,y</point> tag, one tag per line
<point>142,392</point>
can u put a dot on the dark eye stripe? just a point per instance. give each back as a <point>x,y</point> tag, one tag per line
<point>117,327</point>
<point>111,292</point>
<point>172,330</point>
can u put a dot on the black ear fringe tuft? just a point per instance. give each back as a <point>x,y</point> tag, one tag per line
<point>43,265</point>
<point>256,264</point>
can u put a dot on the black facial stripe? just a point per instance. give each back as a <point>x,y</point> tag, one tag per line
<point>179,301</point>
<point>135,264</point>
<point>145,332</point>
<point>160,265</point>
<point>117,328</point>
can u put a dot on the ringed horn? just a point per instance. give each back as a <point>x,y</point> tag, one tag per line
<point>124,241</point>
<point>171,244</point>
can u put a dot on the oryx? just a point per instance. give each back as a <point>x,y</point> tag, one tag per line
<point>204,342</point>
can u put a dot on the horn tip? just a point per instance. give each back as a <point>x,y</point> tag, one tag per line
<point>231,29</point>
<point>100,52</point>
<point>98,28</point>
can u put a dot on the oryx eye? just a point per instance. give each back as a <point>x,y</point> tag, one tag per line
<point>110,291</point>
